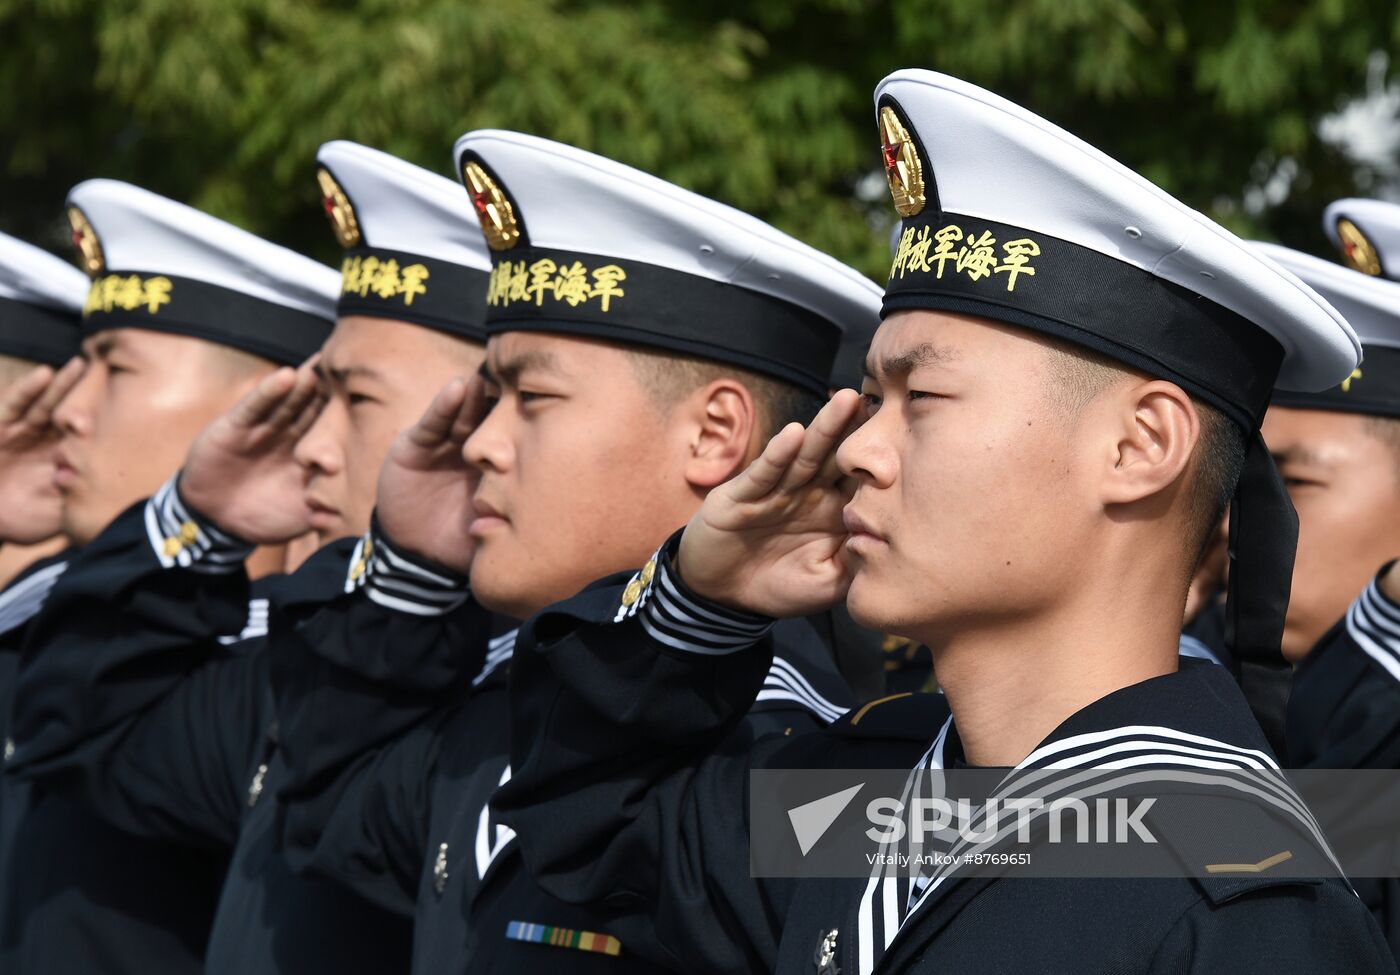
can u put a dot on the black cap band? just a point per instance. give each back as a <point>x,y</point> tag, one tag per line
<point>1372,389</point>
<point>184,306</point>
<point>1024,278</point>
<point>38,332</point>
<point>634,303</point>
<point>412,288</point>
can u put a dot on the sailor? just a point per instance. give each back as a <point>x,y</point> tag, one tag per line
<point>185,314</point>
<point>196,759</point>
<point>1339,453</point>
<point>643,342</point>
<point>41,301</point>
<point>1065,391</point>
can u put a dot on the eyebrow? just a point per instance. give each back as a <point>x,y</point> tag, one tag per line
<point>102,345</point>
<point>923,354</point>
<point>344,375</point>
<point>507,373</point>
<point>1299,455</point>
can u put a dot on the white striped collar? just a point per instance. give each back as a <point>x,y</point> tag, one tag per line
<point>498,652</point>
<point>1373,622</point>
<point>22,601</point>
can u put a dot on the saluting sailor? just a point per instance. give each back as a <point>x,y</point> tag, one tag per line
<point>185,315</point>
<point>190,754</point>
<point>1064,392</point>
<point>643,342</point>
<point>41,301</point>
<point>1339,452</point>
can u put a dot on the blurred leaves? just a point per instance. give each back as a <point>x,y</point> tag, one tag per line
<point>764,105</point>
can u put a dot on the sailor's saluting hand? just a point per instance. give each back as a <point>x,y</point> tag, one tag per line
<point>770,541</point>
<point>425,486</point>
<point>241,472</point>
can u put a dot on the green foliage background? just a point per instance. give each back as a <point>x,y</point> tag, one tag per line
<point>764,104</point>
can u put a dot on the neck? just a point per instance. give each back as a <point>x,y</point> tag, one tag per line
<point>1013,682</point>
<point>266,560</point>
<point>14,559</point>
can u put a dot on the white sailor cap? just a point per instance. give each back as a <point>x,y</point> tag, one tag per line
<point>412,248</point>
<point>1372,307</point>
<point>1010,217</point>
<point>1367,233</point>
<point>585,245</point>
<point>161,265</point>
<point>41,303</point>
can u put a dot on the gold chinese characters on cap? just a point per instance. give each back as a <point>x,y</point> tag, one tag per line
<point>1356,249</point>
<point>903,167</point>
<point>85,242</point>
<point>338,209</point>
<point>493,209</point>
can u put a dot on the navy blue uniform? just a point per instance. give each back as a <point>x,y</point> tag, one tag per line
<point>77,894</point>
<point>599,698</point>
<point>1344,713</point>
<point>397,804</point>
<point>133,705</point>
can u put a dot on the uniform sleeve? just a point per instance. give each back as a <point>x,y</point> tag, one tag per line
<point>626,724</point>
<point>1320,928</point>
<point>361,684</point>
<point>126,698</point>
<point>1344,711</point>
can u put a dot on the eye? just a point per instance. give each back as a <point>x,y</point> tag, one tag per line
<point>919,394</point>
<point>359,399</point>
<point>870,402</point>
<point>526,396</point>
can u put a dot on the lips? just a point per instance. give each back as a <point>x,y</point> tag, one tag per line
<point>856,525</point>
<point>65,475</point>
<point>486,517</point>
<point>862,538</point>
<point>322,515</point>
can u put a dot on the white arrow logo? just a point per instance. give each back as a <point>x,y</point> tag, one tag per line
<point>811,820</point>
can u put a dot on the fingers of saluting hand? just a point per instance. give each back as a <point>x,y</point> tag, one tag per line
<point>824,435</point>
<point>304,397</point>
<point>766,472</point>
<point>473,411</point>
<point>257,406</point>
<point>25,394</point>
<point>41,413</point>
<point>435,426</point>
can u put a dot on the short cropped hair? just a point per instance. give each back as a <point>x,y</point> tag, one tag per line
<point>1387,430</point>
<point>1080,375</point>
<point>669,377</point>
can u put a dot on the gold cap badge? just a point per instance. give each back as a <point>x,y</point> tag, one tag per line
<point>1356,249</point>
<point>903,167</point>
<point>85,242</point>
<point>338,209</point>
<point>493,209</point>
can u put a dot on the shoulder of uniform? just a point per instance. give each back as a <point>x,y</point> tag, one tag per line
<point>916,716</point>
<point>1223,889</point>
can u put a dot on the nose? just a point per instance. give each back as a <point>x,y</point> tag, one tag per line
<point>867,454</point>
<point>73,415</point>
<point>489,446</point>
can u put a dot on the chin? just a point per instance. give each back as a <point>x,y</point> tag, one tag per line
<point>868,605</point>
